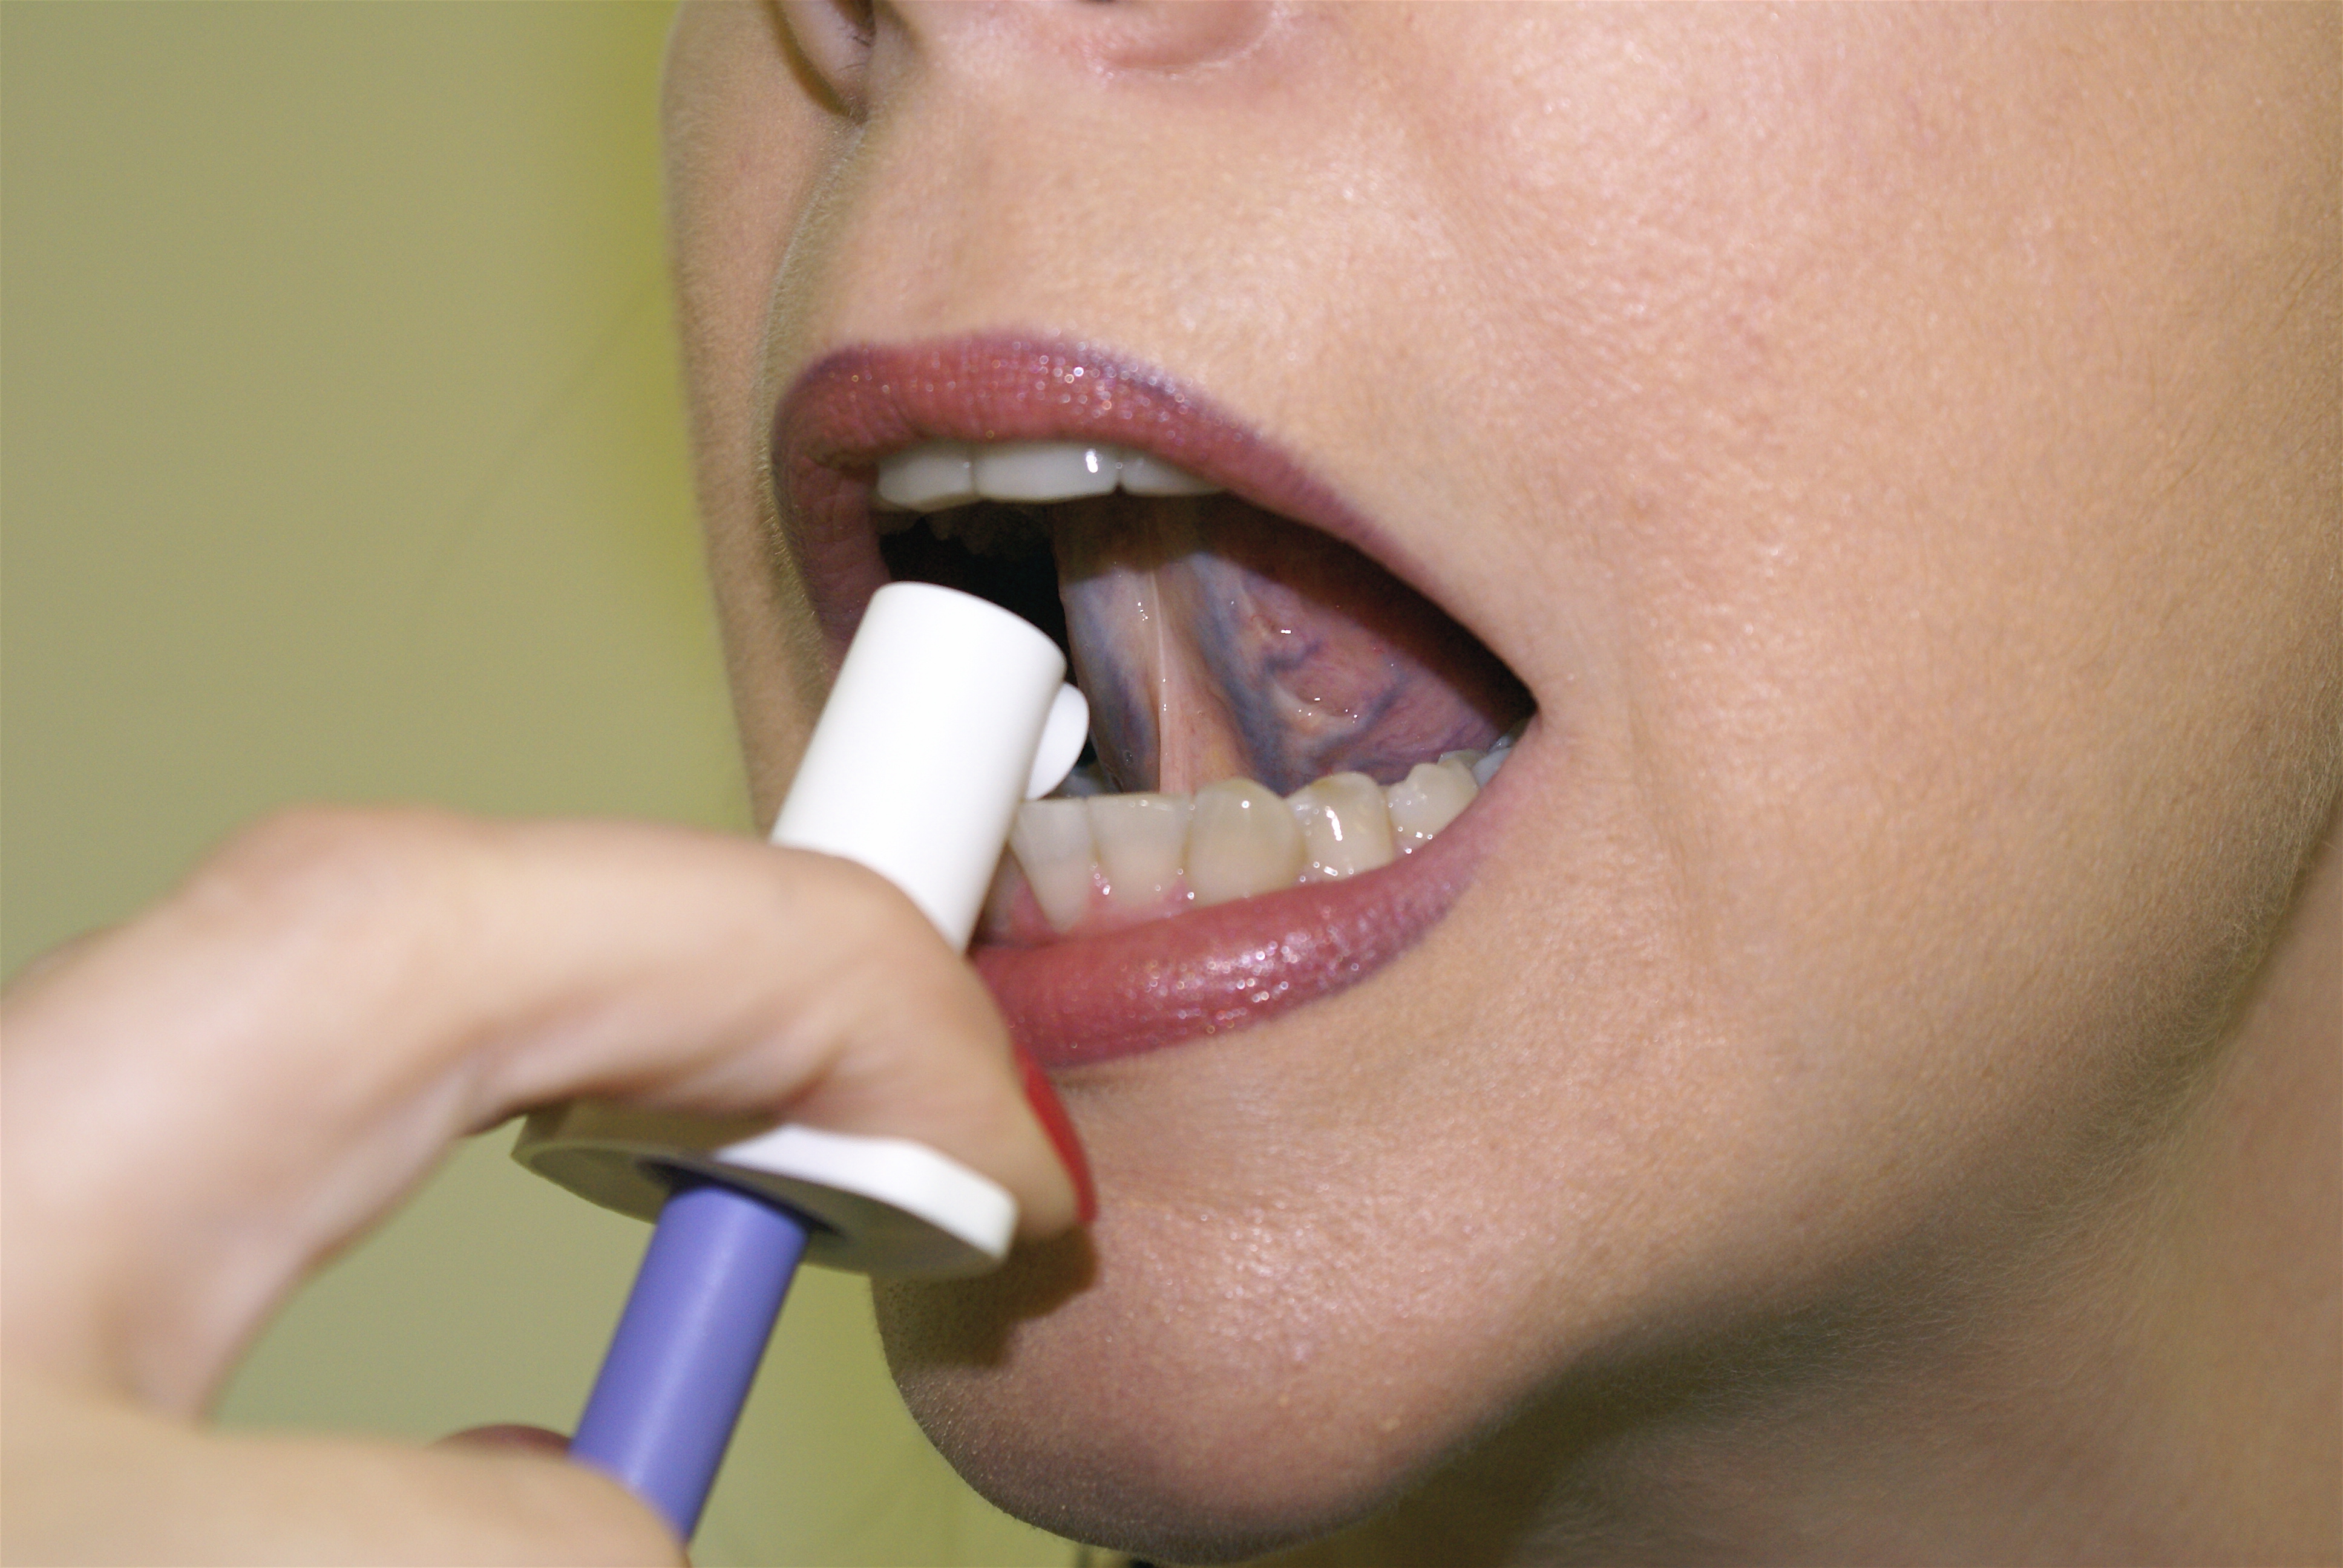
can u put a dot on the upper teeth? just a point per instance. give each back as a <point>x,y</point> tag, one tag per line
<point>941,474</point>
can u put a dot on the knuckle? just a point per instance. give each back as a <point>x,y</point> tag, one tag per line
<point>326,867</point>
<point>886,966</point>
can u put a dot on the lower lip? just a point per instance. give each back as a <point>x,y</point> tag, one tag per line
<point>1213,971</point>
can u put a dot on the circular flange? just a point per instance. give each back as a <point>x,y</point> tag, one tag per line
<point>882,1206</point>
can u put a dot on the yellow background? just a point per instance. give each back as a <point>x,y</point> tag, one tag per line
<point>340,459</point>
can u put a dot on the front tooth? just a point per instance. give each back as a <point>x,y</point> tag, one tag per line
<point>1140,839</point>
<point>928,478</point>
<point>1052,840</point>
<point>1244,840</point>
<point>1146,475</point>
<point>1346,828</point>
<point>1043,470</point>
<point>1428,799</point>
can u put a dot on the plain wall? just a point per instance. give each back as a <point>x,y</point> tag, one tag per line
<point>340,459</point>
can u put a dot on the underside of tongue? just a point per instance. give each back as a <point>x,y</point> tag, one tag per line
<point>1216,640</point>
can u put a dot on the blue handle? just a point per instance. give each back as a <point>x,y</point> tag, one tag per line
<point>688,1345</point>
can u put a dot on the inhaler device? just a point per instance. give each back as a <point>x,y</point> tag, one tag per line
<point>947,713</point>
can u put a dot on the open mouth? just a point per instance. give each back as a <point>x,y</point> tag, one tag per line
<point>1293,752</point>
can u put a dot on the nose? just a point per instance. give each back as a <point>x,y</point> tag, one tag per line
<point>838,37</point>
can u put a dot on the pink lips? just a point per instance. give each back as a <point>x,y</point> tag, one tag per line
<point>1203,973</point>
<point>1210,971</point>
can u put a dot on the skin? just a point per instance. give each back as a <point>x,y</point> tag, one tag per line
<point>1878,1100</point>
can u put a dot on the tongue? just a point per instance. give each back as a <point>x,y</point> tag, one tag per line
<point>1215,639</point>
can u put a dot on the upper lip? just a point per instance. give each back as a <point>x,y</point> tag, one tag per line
<point>858,405</point>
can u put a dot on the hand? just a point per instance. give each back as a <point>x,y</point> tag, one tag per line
<point>203,1104</point>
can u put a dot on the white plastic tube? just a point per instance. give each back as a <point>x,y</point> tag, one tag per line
<point>935,731</point>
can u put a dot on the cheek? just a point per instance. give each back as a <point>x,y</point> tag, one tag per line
<point>1927,624</point>
<point>744,149</point>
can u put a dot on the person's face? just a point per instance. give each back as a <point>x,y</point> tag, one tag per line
<point>1892,451</point>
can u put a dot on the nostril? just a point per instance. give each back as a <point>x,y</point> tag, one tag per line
<point>832,39</point>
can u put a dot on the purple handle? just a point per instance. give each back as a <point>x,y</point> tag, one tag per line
<point>688,1345</point>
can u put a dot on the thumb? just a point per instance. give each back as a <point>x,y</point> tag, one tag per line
<point>94,1482</point>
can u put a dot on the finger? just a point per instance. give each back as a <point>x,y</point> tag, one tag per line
<point>205,1102</point>
<point>95,1484</point>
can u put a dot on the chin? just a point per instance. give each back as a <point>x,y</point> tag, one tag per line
<point>1085,1412</point>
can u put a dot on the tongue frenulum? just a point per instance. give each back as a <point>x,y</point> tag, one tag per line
<point>1271,706</point>
<point>1215,640</point>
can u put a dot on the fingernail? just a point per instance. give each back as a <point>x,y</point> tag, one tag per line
<point>507,1436</point>
<point>1054,1121</point>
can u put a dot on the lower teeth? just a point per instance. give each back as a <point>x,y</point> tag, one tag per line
<point>1094,858</point>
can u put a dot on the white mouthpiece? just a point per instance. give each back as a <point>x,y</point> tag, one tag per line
<point>947,712</point>
<point>929,741</point>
